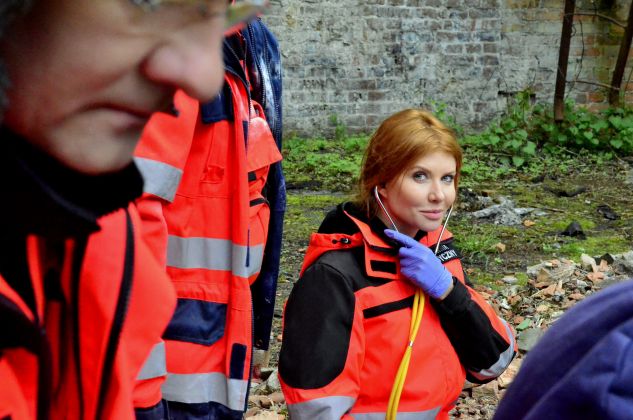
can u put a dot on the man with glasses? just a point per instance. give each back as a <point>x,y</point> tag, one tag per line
<point>82,301</point>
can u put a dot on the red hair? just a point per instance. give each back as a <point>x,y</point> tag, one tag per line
<point>397,144</point>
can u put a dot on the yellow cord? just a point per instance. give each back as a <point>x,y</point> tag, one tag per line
<point>401,375</point>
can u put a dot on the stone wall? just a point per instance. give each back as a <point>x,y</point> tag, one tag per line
<point>358,61</point>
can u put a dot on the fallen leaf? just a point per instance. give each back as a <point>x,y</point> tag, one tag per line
<point>501,247</point>
<point>542,308</point>
<point>576,296</point>
<point>595,277</point>
<point>543,275</point>
<point>550,290</point>
<point>277,397</point>
<point>528,223</point>
<point>508,375</point>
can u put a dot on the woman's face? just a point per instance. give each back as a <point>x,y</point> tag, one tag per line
<point>419,198</point>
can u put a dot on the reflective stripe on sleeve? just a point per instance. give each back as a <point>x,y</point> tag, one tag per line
<point>416,415</point>
<point>500,365</point>
<point>161,179</point>
<point>198,388</point>
<point>322,408</point>
<point>155,364</point>
<point>214,254</point>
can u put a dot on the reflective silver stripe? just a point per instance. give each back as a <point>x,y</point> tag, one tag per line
<point>161,179</point>
<point>501,364</point>
<point>416,415</point>
<point>327,408</point>
<point>198,388</point>
<point>155,364</point>
<point>214,254</point>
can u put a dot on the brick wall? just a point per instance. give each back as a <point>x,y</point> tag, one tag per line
<point>360,61</point>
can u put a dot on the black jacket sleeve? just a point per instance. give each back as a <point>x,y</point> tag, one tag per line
<point>483,341</point>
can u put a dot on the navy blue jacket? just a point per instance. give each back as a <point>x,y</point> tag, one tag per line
<point>583,366</point>
<point>263,61</point>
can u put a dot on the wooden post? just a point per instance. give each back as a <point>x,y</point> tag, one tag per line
<point>623,55</point>
<point>563,59</point>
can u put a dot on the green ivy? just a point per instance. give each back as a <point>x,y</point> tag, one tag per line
<point>525,130</point>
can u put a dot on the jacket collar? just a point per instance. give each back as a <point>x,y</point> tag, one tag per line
<point>348,226</point>
<point>43,197</point>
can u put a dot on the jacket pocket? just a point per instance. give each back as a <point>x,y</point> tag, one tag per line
<point>197,321</point>
<point>385,308</point>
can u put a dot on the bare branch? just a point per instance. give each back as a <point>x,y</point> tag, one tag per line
<point>605,17</point>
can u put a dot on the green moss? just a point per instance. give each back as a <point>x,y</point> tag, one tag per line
<point>305,212</point>
<point>522,278</point>
<point>561,224</point>
<point>324,164</point>
<point>594,246</point>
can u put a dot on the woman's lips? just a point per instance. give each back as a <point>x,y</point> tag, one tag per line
<point>433,214</point>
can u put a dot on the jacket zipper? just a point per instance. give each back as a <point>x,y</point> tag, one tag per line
<point>248,93</point>
<point>119,317</point>
<point>78,257</point>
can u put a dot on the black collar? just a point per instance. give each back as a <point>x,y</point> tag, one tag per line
<point>41,196</point>
<point>337,222</point>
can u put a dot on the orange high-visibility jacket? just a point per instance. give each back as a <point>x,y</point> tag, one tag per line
<point>346,327</point>
<point>206,218</point>
<point>78,352</point>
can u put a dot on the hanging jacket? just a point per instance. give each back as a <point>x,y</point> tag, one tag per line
<point>263,63</point>
<point>214,219</point>
<point>82,300</point>
<point>346,326</point>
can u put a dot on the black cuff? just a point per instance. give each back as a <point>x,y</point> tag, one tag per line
<point>456,301</point>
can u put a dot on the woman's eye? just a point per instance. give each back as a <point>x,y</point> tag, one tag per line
<point>419,176</point>
<point>448,179</point>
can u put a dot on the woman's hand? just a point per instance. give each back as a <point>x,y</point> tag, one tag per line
<point>420,265</point>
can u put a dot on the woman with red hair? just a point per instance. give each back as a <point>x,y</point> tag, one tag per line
<point>369,270</point>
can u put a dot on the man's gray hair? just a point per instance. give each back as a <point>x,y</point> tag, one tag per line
<point>9,9</point>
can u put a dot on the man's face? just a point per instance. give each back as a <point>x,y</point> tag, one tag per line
<point>86,75</point>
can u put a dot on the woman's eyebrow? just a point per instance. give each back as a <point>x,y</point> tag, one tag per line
<point>422,168</point>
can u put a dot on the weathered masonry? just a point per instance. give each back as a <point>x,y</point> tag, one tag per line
<point>361,60</point>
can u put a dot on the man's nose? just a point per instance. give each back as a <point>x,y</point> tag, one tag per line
<point>191,60</point>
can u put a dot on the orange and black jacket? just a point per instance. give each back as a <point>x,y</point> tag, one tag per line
<point>206,215</point>
<point>346,326</point>
<point>82,300</point>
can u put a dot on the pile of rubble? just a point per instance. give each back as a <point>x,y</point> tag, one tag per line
<point>553,287</point>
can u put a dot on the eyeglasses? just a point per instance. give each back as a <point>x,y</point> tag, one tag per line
<point>237,13</point>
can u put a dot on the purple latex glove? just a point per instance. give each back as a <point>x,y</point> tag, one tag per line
<point>420,265</point>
